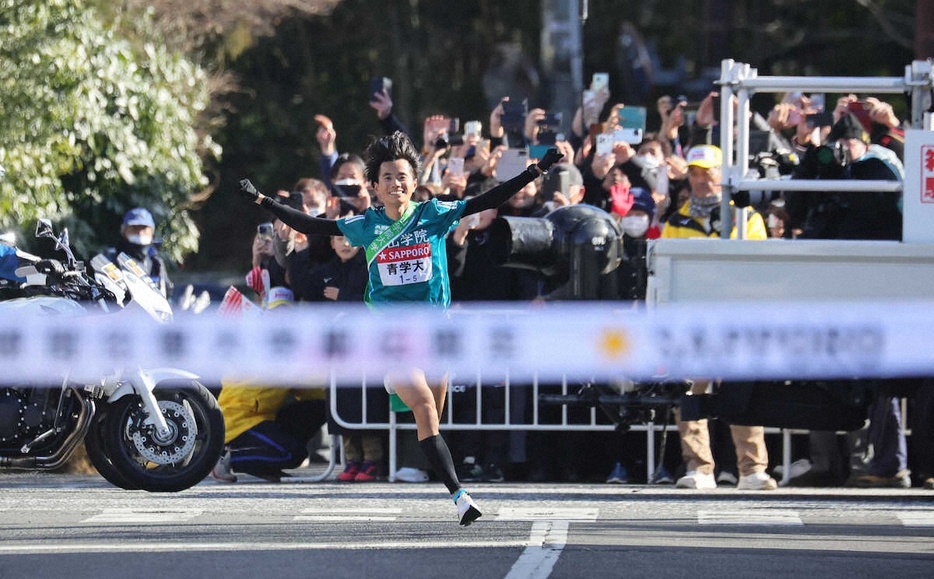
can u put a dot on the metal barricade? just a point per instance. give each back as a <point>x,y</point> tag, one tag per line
<point>535,422</point>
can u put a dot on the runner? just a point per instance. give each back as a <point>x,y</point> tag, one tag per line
<point>406,259</point>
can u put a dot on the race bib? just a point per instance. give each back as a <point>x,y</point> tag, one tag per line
<point>404,265</point>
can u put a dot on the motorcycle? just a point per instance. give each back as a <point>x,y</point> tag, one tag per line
<point>158,430</point>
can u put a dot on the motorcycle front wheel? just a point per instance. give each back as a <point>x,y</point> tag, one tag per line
<point>171,461</point>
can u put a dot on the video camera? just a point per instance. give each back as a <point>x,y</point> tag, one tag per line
<point>574,244</point>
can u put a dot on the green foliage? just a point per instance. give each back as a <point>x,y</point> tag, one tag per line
<point>91,126</point>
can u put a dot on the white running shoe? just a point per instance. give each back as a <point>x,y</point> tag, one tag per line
<point>411,475</point>
<point>467,510</point>
<point>696,480</point>
<point>757,481</point>
<point>221,471</point>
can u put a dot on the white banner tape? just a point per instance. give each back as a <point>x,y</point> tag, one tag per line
<point>580,341</point>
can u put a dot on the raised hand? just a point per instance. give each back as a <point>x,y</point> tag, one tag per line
<point>248,191</point>
<point>552,156</point>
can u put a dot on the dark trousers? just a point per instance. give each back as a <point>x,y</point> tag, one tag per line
<point>271,446</point>
<point>889,447</point>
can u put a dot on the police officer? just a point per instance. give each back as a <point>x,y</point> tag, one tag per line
<point>136,240</point>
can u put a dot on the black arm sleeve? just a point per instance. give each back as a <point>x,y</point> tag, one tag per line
<point>299,221</point>
<point>501,193</point>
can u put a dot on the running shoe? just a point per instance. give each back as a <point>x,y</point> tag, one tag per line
<point>367,473</point>
<point>467,510</point>
<point>619,475</point>
<point>221,471</point>
<point>350,471</point>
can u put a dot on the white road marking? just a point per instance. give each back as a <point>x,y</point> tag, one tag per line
<point>547,539</point>
<point>772,517</point>
<point>916,518</point>
<point>144,516</point>
<point>33,548</point>
<point>546,542</point>
<point>348,515</point>
<point>547,514</point>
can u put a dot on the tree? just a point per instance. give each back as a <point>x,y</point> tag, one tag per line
<point>92,125</point>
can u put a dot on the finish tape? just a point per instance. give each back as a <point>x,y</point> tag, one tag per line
<point>596,340</point>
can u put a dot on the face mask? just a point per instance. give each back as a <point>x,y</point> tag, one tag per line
<point>143,240</point>
<point>635,225</point>
<point>649,161</point>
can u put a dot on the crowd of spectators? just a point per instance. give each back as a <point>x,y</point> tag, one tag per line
<point>666,183</point>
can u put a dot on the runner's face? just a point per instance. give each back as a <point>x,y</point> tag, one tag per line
<point>396,183</point>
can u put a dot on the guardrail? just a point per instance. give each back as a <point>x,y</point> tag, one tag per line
<point>509,422</point>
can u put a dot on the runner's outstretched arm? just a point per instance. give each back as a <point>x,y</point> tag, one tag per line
<point>297,220</point>
<point>502,192</point>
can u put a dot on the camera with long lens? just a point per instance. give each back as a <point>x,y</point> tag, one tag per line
<point>766,165</point>
<point>573,245</point>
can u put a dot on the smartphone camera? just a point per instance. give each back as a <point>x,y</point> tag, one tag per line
<point>378,84</point>
<point>264,230</point>
<point>513,122</point>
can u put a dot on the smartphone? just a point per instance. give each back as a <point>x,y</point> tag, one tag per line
<point>551,120</point>
<point>473,128</point>
<point>860,109</point>
<point>716,108</point>
<point>821,119</point>
<point>514,113</point>
<point>454,125</point>
<point>538,151</point>
<point>631,136</point>
<point>513,162</point>
<point>378,84</point>
<point>265,230</point>
<point>456,166</point>
<point>632,118</point>
<point>600,80</point>
<point>604,144</point>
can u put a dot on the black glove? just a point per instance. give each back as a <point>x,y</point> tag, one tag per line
<point>248,191</point>
<point>552,156</point>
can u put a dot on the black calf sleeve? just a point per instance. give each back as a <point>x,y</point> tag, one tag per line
<point>438,455</point>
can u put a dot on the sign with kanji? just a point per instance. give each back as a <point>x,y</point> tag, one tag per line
<point>927,174</point>
<point>918,196</point>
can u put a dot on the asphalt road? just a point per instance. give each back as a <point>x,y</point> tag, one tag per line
<point>80,526</point>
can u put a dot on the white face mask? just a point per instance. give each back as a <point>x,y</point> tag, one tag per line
<point>649,161</point>
<point>634,225</point>
<point>140,239</point>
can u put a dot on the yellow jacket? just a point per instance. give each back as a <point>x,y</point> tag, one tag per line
<point>244,404</point>
<point>681,226</point>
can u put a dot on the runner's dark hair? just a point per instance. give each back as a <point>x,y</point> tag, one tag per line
<point>388,149</point>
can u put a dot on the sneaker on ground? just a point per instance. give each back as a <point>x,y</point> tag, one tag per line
<point>367,473</point>
<point>929,483</point>
<point>492,473</point>
<point>411,475</point>
<point>350,471</point>
<point>618,475</point>
<point>696,480</point>
<point>467,510</point>
<point>757,481</point>
<point>795,469</point>
<point>726,478</point>
<point>663,477</point>
<point>469,471</point>
<point>901,480</point>
<point>221,471</point>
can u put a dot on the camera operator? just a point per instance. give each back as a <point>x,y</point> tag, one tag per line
<point>849,155</point>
